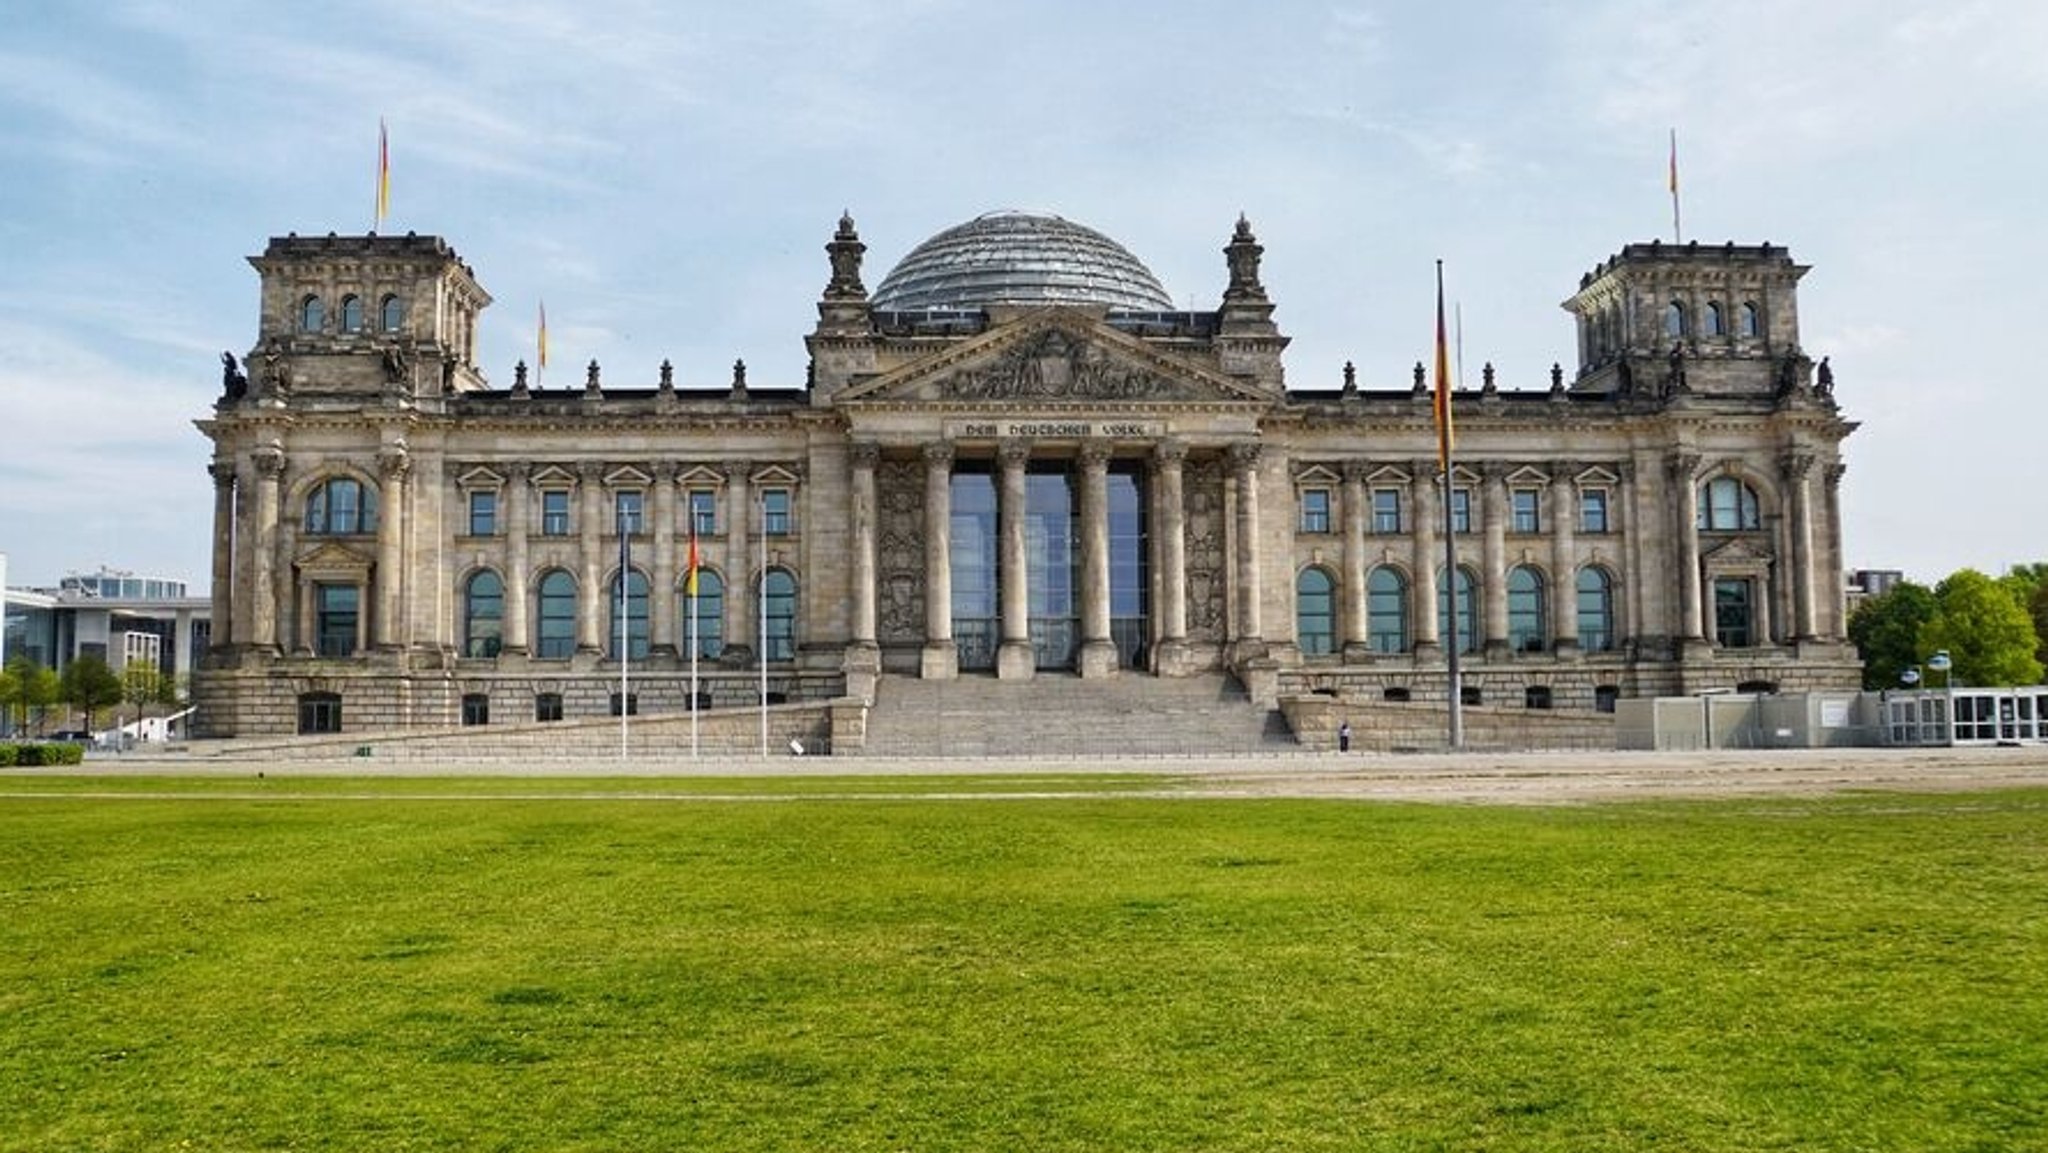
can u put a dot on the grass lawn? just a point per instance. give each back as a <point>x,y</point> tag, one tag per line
<point>366,965</point>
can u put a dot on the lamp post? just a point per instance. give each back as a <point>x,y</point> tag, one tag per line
<point>1940,663</point>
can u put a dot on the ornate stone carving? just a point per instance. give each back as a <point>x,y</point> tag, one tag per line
<point>899,552</point>
<point>1208,583</point>
<point>1013,452</point>
<point>864,453</point>
<point>269,461</point>
<point>1094,454</point>
<point>1682,466</point>
<point>938,454</point>
<point>1244,456</point>
<point>1170,451</point>
<point>1795,465</point>
<point>1056,365</point>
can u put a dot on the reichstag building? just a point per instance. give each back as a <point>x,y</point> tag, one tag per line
<point>1013,458</point>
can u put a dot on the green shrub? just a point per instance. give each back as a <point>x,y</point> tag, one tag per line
<point>40,753</point>
<point>7,755</point>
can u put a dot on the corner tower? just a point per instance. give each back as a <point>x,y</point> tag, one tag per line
<point>365,316</point>
<point>1660,320</point>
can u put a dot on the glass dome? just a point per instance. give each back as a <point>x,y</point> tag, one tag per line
<point>1019,258</point>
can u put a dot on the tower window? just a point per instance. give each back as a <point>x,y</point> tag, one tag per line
<point>1674,320</point>
<point>1752,321</point>
<point>351,314</point>
<point>312,314</point>
<point>393,314</point>
<point>1728,505</point>
<point>341,506</point>
<point>1712,320</point>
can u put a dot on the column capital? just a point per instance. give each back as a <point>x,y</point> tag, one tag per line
<point>736,470</point>
<point>222,472</point>
<point>1493,472</point>
<point>393,461</point>
<point>1682,466</point>
<point>939,454</point>
<point>269,461</point>
<point>1796,464</point>
<point>864,453</point>
<point>1354,470</point>
<point>1170,452</point>
<point>1095,455</point>
<point>1562,471</point>
<point>1834,473</point>
<point>519,472</point>
<point>1424,469</point>
<point>590,472</point>
<point>1013,453</point>
<point>1244,455</point>
<point>666,471</point>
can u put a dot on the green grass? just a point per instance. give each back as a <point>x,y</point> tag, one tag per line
<point>1081,973</point>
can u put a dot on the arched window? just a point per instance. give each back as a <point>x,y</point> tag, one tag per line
<point>1712,320</point>
<point>1752,321</point>
<point>708,615</point>
<point>1526,632</point>
<point>779,605</point>
<point>1727,505</point>
<point>1315,612</point>
<point>1468,610</point>
<point>483,614</point>
<point>341,506</point>
<point>636,617</point>
<point>392,314</point>
<point>351,313</point>
<point>556,638</point>
<point>312,314</point>
<point>1596,610</point>
<point>1674,320</point>
<point>1386,610</point>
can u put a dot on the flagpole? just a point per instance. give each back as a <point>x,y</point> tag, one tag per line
<point>1677,234</point>
<point>693,634</point>
<point>1444,438</point>
<point>383,177</point>
<point>625,630</point>
<point>761,610</point>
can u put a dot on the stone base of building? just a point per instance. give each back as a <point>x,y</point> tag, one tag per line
<point>1016,661</point>
<point>1097,659</point>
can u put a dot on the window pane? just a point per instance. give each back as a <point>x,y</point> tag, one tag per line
<point>1596,611</point>
<point>1386,510</point>
<point>556,639</point>
<point>775,515</point>
<point>484,612</point>
<point>1525,610</point>
<point>483,514</point>
<point>1524,508</point>
<point>1315,510</point>
<point>708,615</point>
<point>554,513</point>
<point>1386,611</point>
<point>1315,612</point>
<point>1593,510</point>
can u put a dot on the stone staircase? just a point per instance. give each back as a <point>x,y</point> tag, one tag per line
<point>1061,715</point>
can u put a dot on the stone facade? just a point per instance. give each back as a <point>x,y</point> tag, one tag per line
<point>1007,488</point>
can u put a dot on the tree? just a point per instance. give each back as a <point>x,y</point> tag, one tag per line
<point>33,687</point>
<point>1886,628</point>
<point>2029,583</point>
<point>89,686</point>
<point>1989,637</point>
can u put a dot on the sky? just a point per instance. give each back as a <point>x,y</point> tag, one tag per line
<point>665,177</point>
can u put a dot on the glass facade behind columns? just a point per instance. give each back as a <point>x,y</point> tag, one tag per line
<point>1052,528</point>
<point>1130,583</point>
<point>975,547</point>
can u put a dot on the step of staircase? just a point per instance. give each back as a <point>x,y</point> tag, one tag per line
<point>1062,715</point>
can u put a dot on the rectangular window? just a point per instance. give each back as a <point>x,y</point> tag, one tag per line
<point>703,511</point>
<point>1461,511</point>
<point>632,704</point>
<point>476,709</point>
<point>1315,510</point>
<point>775,511</point>
<point>335,609</point>
<point>1732,613</point>
<point>547,707</point>
<point>1593,510</point>
<point>1386,510</point>
<point>483,514</point>
<point>1522,504</point>
<point>626,509</point>
<point>554,513</point>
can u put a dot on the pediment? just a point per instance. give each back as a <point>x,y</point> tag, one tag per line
<point>332,559</point>
<point>479,478</point>
<point>1053,356</point>
<point>1737,552</point>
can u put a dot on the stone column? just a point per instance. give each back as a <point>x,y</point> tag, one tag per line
<point>1098,651</point>
<point>269,462</point>
<point>863,458</point>
<point>663,595</point>
<point>1630,526</point>
<point>1564,584</point>
<point>393,466</point>
<point>518,589</point>
<point>1015,659</point>
<point>1425,554</point>
<point>1354,637</point>
<point>1796,468</point>
<point>223,608</point>
<point>590,540</point>
<point>1831,625</point>
<point>941,660</point>
<point>1172,657</point>
<point>1682,468</point>
<point>1493,576</point>
<point>1244,467</point>
<point>741,632</point>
